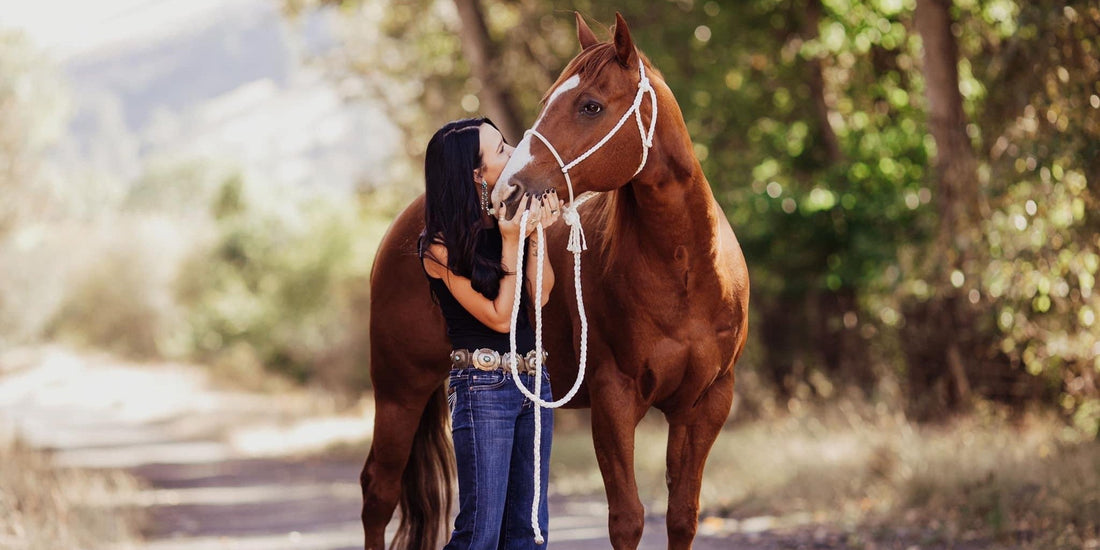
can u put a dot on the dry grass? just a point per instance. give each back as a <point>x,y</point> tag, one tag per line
<point>46,508</point>
<point>1025,482</point>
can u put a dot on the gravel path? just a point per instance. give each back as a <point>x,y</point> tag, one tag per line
<point>243,471</point>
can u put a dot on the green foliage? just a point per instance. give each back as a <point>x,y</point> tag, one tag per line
<point>201,265</point>
<point>809,119</point>
<point>1043,231</point>
<point>279,280</point>
<point>179,189</point>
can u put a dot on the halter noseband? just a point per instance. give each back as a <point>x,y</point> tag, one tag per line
<point>572,218</point>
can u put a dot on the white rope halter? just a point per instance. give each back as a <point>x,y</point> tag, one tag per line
<point>577,243</point>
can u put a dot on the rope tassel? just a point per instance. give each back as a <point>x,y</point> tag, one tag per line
<point>577,242</point>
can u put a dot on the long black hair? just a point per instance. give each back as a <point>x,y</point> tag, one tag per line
<point>452,206</point>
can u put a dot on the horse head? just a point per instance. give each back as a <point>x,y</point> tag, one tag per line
<point>596,124</point>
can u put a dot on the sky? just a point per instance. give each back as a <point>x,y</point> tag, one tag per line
<point>229,82</point>
<point>72,28</point>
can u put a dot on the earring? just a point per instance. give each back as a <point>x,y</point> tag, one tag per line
<point>485,195</point>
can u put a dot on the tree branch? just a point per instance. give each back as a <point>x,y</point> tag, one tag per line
<point>480,51</point>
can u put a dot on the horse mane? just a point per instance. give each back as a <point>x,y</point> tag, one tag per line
<point>610,216</point>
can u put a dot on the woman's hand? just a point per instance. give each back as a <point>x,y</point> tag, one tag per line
<point>549,209</point>
<point>510,227</point>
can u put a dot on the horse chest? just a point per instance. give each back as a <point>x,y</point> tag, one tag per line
<point>670,332</point>
<point>642,297</point>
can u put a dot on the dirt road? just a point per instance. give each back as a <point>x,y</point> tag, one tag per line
<point>245,471</point>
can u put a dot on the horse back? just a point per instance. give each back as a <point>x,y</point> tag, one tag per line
<point>408,337</point>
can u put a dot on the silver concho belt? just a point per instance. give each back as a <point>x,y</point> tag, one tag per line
<point>489,359</point>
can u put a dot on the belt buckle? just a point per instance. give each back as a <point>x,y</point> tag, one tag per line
<point>520,363</point>
<point>458,358</point>
<point>486,359</point>
<point>530,359</point>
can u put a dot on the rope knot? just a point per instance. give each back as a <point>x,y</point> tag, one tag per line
<point>577,241</point>
<point>570,215</point>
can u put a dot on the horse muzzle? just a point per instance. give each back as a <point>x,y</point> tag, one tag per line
<point>510,194</point>
<point>505,192</point>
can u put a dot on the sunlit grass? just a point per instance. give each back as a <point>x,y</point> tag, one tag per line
<point>45,508</point>
<point>852,468</point>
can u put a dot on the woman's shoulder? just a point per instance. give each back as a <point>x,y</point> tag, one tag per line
<point>435,260</point>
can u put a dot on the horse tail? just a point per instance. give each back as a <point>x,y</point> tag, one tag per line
<point>426,484</point>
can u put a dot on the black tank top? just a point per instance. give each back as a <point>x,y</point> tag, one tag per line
<point>463,329</point>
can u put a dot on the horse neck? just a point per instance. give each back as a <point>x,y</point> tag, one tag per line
<point>672,214</point>
<point>669,204</point>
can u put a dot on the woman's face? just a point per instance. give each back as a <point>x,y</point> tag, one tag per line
<point>494,155</point>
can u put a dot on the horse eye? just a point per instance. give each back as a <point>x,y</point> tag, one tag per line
<point>591,108</point>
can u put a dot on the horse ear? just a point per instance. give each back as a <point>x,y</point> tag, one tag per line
<point>584,33</point>
<point>624,45</point>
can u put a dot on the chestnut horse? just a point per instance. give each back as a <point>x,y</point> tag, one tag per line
<point>665,288</point>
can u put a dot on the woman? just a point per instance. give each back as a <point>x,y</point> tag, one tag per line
<point>470,260</point>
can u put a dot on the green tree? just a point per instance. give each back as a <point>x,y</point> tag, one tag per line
<point>278,287</point>
<point>913,183</point>
<point>1039,122</point>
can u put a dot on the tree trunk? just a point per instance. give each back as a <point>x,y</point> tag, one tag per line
<point>816,79</point>
<point>950,332</point>
<point>955,163</point>
<point>480,51</point>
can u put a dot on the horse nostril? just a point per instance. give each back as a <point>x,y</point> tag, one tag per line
<point>505,192</point>
<point>512,194</point>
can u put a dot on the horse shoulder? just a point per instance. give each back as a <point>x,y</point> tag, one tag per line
<point>732,328</point>
<point>733,270</point>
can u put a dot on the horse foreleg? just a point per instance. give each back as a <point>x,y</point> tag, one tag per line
<point>615,415</point>
<point>394,429</point>
<point>691,434</point>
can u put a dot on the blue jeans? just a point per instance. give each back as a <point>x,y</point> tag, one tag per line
<point>493,426</point>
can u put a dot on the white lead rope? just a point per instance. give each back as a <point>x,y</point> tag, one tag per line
<point>535,397</point>
<point>577,243</point>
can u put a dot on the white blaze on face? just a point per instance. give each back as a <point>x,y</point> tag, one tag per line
<point>522,156</point>
<point>569,84</point>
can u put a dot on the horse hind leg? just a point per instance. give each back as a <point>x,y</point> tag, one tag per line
<point>691,434</point>
<point>381,476</point>
<point>410,460</point>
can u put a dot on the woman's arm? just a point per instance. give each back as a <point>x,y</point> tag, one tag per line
<point>532,274</point>
<point>495,314</point>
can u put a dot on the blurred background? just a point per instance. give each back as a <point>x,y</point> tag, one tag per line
<point>199,187</point>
